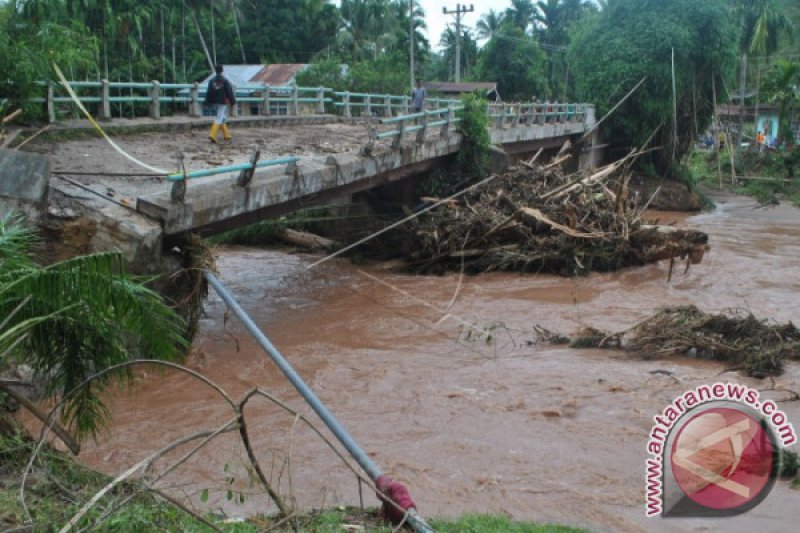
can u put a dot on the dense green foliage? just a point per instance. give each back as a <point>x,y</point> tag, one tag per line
<point>473,157</point>
<point>385,75</point>
<point>517,62</point>
<point>72,319</point>
<point>564,50</point>
<point>782,88</point>
<point>779,173</point>
<point>632,39</point>
<point>472,161</point>
<point>176,42</point>
<point>27,48</point>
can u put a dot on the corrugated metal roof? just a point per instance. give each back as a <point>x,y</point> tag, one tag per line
<point>278,73</point>
<point>237,74</point>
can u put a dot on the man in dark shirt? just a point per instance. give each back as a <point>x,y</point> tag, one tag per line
<point>220,94</point>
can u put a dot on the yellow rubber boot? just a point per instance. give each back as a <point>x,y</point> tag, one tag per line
<point>226,134</point>
<point>213,133</point>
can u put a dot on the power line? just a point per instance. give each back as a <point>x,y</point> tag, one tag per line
<point>545,46</point>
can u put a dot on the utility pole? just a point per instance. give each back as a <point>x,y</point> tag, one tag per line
<point>411,38</point>
<point>460,10</point>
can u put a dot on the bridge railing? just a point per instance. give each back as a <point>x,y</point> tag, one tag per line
<point>381,105</point>
<point>149,98</point>
<point>153,98</point>
<point>283,99</point>
<point>246,170</point>
<point>420,124</point>
<point>505,114</point>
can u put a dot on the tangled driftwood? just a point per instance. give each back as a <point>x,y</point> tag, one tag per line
<point>758,346</point>
<point>537,218</point>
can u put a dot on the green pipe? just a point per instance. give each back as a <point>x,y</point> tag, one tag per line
<point>231,168</point>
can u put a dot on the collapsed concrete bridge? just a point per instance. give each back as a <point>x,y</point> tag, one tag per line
<point>141,217</point>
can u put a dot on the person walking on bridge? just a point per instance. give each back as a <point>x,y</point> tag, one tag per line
<point>220,94</point>
<point>418,95</point>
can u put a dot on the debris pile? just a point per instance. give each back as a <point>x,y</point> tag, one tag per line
<point>536,218</point>
<point>758,346</point>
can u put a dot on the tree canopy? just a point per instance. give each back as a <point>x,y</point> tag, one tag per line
<point>634,39</point>
<point>516,62</point>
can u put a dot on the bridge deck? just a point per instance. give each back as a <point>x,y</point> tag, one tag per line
<point>329,165</point>
<point>94,155</point>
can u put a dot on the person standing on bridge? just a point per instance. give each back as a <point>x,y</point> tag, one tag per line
<point>220,94</point>
<point>418,95</point>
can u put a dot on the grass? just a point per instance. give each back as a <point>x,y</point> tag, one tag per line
<point>703,169</point>
<point>59,486</point>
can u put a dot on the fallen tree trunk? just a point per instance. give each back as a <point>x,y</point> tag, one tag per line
<point>306,239</point>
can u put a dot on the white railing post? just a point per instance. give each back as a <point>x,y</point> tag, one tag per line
<point>368,105</point>
<point>406,100</point>
<point>234,107</point>
<point>155,104</point>
<point>295,102</point>
<point>387,112</point>
<point>347,110</point>
<point>445,131</point>
<point>321,100</point>
<point>265,106</point>
<point>51,107</point>
<point>195,106</point>
<point>105,104</point>
<point>399,139</point>
<point>421,133</point>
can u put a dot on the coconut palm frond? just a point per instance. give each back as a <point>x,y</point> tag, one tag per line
<point>15,242</point>
<point>78,317</point>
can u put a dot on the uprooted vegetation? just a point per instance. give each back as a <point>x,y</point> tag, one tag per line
<point>537,218</point>
<point>758,346</point>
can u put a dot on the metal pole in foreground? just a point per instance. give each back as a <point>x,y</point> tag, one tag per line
<point>372,470</point>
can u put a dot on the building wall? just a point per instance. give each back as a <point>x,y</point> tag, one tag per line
<point>768,123</point>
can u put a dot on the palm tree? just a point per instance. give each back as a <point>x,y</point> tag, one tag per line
<point>761,28</point>
<point>363,25</point>
<point>521,13</point>
<point>489,23</point>
<point>553,18</point>
<point>400,29</point>
<point>547,19</point>
<point>785,84</point>
<point>469,50</point>
<point>71,319</point>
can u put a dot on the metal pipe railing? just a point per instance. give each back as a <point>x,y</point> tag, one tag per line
<point>231,168</point>
<point>356,452</point>
<point>305,391</point>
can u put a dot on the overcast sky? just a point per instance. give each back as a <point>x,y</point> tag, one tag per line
<point>437,21</point>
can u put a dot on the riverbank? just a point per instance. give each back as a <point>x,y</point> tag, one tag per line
<point>59,486</point>
<point>766,176</point>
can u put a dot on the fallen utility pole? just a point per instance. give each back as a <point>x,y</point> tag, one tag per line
<point>412,517</point>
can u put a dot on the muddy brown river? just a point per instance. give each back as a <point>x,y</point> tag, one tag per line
<point>459,404</point>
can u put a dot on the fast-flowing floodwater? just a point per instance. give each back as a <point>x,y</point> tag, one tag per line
<point>458,403</point>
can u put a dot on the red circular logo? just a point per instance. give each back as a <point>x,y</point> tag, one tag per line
<point>723,458</point>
